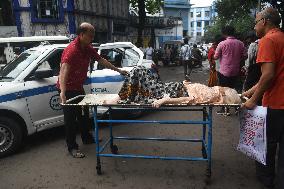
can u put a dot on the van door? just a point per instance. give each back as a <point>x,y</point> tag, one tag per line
<point>44,100</point>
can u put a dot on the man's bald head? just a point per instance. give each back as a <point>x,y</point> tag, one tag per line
<point>272,15</point>
<point>85,27</point>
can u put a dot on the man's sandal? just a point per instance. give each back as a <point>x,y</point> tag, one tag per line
<point>76,153</point>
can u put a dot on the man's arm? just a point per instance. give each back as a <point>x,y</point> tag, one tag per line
<point>265,81</point>
<point>107,64</point>
<point>64,71</point>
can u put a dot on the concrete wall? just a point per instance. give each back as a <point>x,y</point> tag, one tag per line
<point>8,31</point>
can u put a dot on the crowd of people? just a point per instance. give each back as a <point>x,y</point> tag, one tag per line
<point>172,53</point>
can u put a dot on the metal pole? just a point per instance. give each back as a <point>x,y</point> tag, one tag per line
<point>176,28</point>
<point>258,5</point>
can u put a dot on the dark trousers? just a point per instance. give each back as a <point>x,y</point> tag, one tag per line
<point>225,81</point>
<point>74,117</point>
<point>187,67</point>
<point>275,136</point>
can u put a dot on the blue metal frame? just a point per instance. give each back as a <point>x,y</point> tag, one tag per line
<point>206,142</point>
<point>16,10</point>
<point>70,10</point>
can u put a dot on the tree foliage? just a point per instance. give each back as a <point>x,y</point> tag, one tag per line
<point>240,14</point>
<point>151,6</point>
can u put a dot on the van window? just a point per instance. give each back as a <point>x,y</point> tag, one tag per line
<point>131,58</point>
<point>114,56</point>
<point>52,62</point>
<point>18,65</point>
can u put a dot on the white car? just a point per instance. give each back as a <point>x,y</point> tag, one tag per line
<point>29,100</point>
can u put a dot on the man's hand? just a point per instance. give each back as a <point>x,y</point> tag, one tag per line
<point>158,103</point>
<point>124,72</point>
<point>249,104</point>
<point>62,97</point>
<point>247,94</point>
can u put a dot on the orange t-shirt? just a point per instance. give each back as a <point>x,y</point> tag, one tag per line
<point>271,50</point>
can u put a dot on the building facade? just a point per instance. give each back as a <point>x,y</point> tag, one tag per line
<point>179,8</point>
<point>158,28</point>
<point>200,18</point>
<point>62,17</point>
<point>7,19</point>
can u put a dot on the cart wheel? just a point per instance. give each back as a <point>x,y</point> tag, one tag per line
<point>204,154</point>
<point>114,149</point>
<point>99,170</point>
<point>208,177</point>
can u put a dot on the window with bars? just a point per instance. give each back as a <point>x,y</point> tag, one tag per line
<point>47,10</point>
<point>198,24</point>
<point>207,13</point>
<point>198,14</point>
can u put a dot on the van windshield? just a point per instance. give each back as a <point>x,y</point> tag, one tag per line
<point>18,65</point>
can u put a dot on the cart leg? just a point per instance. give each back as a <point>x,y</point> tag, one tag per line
<point>98,167</point>
<point>208,171</point>
<point>204,150</point>
<point>110,127</point>
<point>208,177</point>
<point>113,147</point>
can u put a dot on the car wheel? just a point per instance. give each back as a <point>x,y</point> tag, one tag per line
<point>11,136</point>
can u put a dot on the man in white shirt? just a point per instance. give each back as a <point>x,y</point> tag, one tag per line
<point>149,52</point>
<point>185,56</point>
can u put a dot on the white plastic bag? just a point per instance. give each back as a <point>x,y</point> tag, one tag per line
<point>253,133</point>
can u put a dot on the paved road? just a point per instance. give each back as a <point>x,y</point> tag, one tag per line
<point>44,162</point>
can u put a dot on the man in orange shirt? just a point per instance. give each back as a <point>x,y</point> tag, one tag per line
<point>271,58</point>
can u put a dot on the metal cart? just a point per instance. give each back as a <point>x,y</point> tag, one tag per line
<point>205,122</point>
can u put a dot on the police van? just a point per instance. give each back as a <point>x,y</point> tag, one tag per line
<point>29,100</point>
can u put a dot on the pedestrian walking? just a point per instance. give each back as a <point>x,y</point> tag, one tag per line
<point>168,53</point>
<point>185,56</point>
<point>196,56</point>
<point>213,77</point>
<point>73,72</point>
<point>270,57</point>
<point>149,52</point>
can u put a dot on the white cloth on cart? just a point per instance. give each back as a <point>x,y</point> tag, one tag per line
<point>99,99</point>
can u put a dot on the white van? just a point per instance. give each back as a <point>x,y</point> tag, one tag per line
<point>13,46</point>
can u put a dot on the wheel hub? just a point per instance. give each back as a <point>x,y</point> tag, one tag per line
<point>6,138</point>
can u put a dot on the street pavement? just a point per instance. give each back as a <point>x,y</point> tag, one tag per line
<point>44,163</point>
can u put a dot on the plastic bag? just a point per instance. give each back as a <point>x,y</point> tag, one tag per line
<point>253,133</point>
